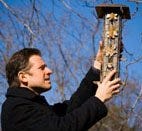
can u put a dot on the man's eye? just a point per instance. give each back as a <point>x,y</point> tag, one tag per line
<point>43,67</point>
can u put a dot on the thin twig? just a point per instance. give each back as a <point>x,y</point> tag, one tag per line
<point>72,10</point>
<point>16,16</point>
<point>137,99</point>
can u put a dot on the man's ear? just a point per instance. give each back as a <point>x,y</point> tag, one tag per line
<point>22,77</point>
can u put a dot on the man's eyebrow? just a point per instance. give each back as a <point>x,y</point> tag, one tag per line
<point>43,65</point>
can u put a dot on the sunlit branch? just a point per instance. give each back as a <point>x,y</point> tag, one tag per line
<point>14,14</point>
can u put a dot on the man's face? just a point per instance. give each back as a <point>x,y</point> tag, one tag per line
<point>39,74</point>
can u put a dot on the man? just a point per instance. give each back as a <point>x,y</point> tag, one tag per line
<point>26,110</point>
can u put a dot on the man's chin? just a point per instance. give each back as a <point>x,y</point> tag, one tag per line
<point>41,89</point>
<point>48,88</point>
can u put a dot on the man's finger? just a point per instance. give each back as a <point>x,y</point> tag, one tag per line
<point>100,52</point>
<point>115,81</point>
<point>116,92</point>
<point>110,75</point>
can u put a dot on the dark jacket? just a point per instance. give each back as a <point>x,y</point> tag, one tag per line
<point>25,111</point>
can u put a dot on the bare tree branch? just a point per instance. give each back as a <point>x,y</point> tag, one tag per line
<point>14,14</point>
<point>137,99</point>
<point>72,10</point>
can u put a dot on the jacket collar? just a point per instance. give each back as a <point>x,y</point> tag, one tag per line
<point>21,92</point>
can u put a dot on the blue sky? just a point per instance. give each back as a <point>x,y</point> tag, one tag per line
<point>132,37</point>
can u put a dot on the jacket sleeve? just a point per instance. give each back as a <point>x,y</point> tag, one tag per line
<point>80,119</point>
<point>86,89</point>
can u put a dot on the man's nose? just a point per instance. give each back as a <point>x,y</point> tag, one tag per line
<point>49,71</point>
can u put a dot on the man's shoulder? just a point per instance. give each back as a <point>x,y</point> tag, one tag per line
<point>18,98</point>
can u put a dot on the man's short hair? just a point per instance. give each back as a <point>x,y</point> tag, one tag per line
<point>19,62</point>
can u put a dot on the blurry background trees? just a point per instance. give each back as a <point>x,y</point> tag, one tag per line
<point>68,32</point>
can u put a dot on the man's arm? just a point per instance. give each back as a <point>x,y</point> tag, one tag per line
<point>87,87</point>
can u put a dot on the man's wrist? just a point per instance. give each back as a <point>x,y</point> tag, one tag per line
<point>100,98</point>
